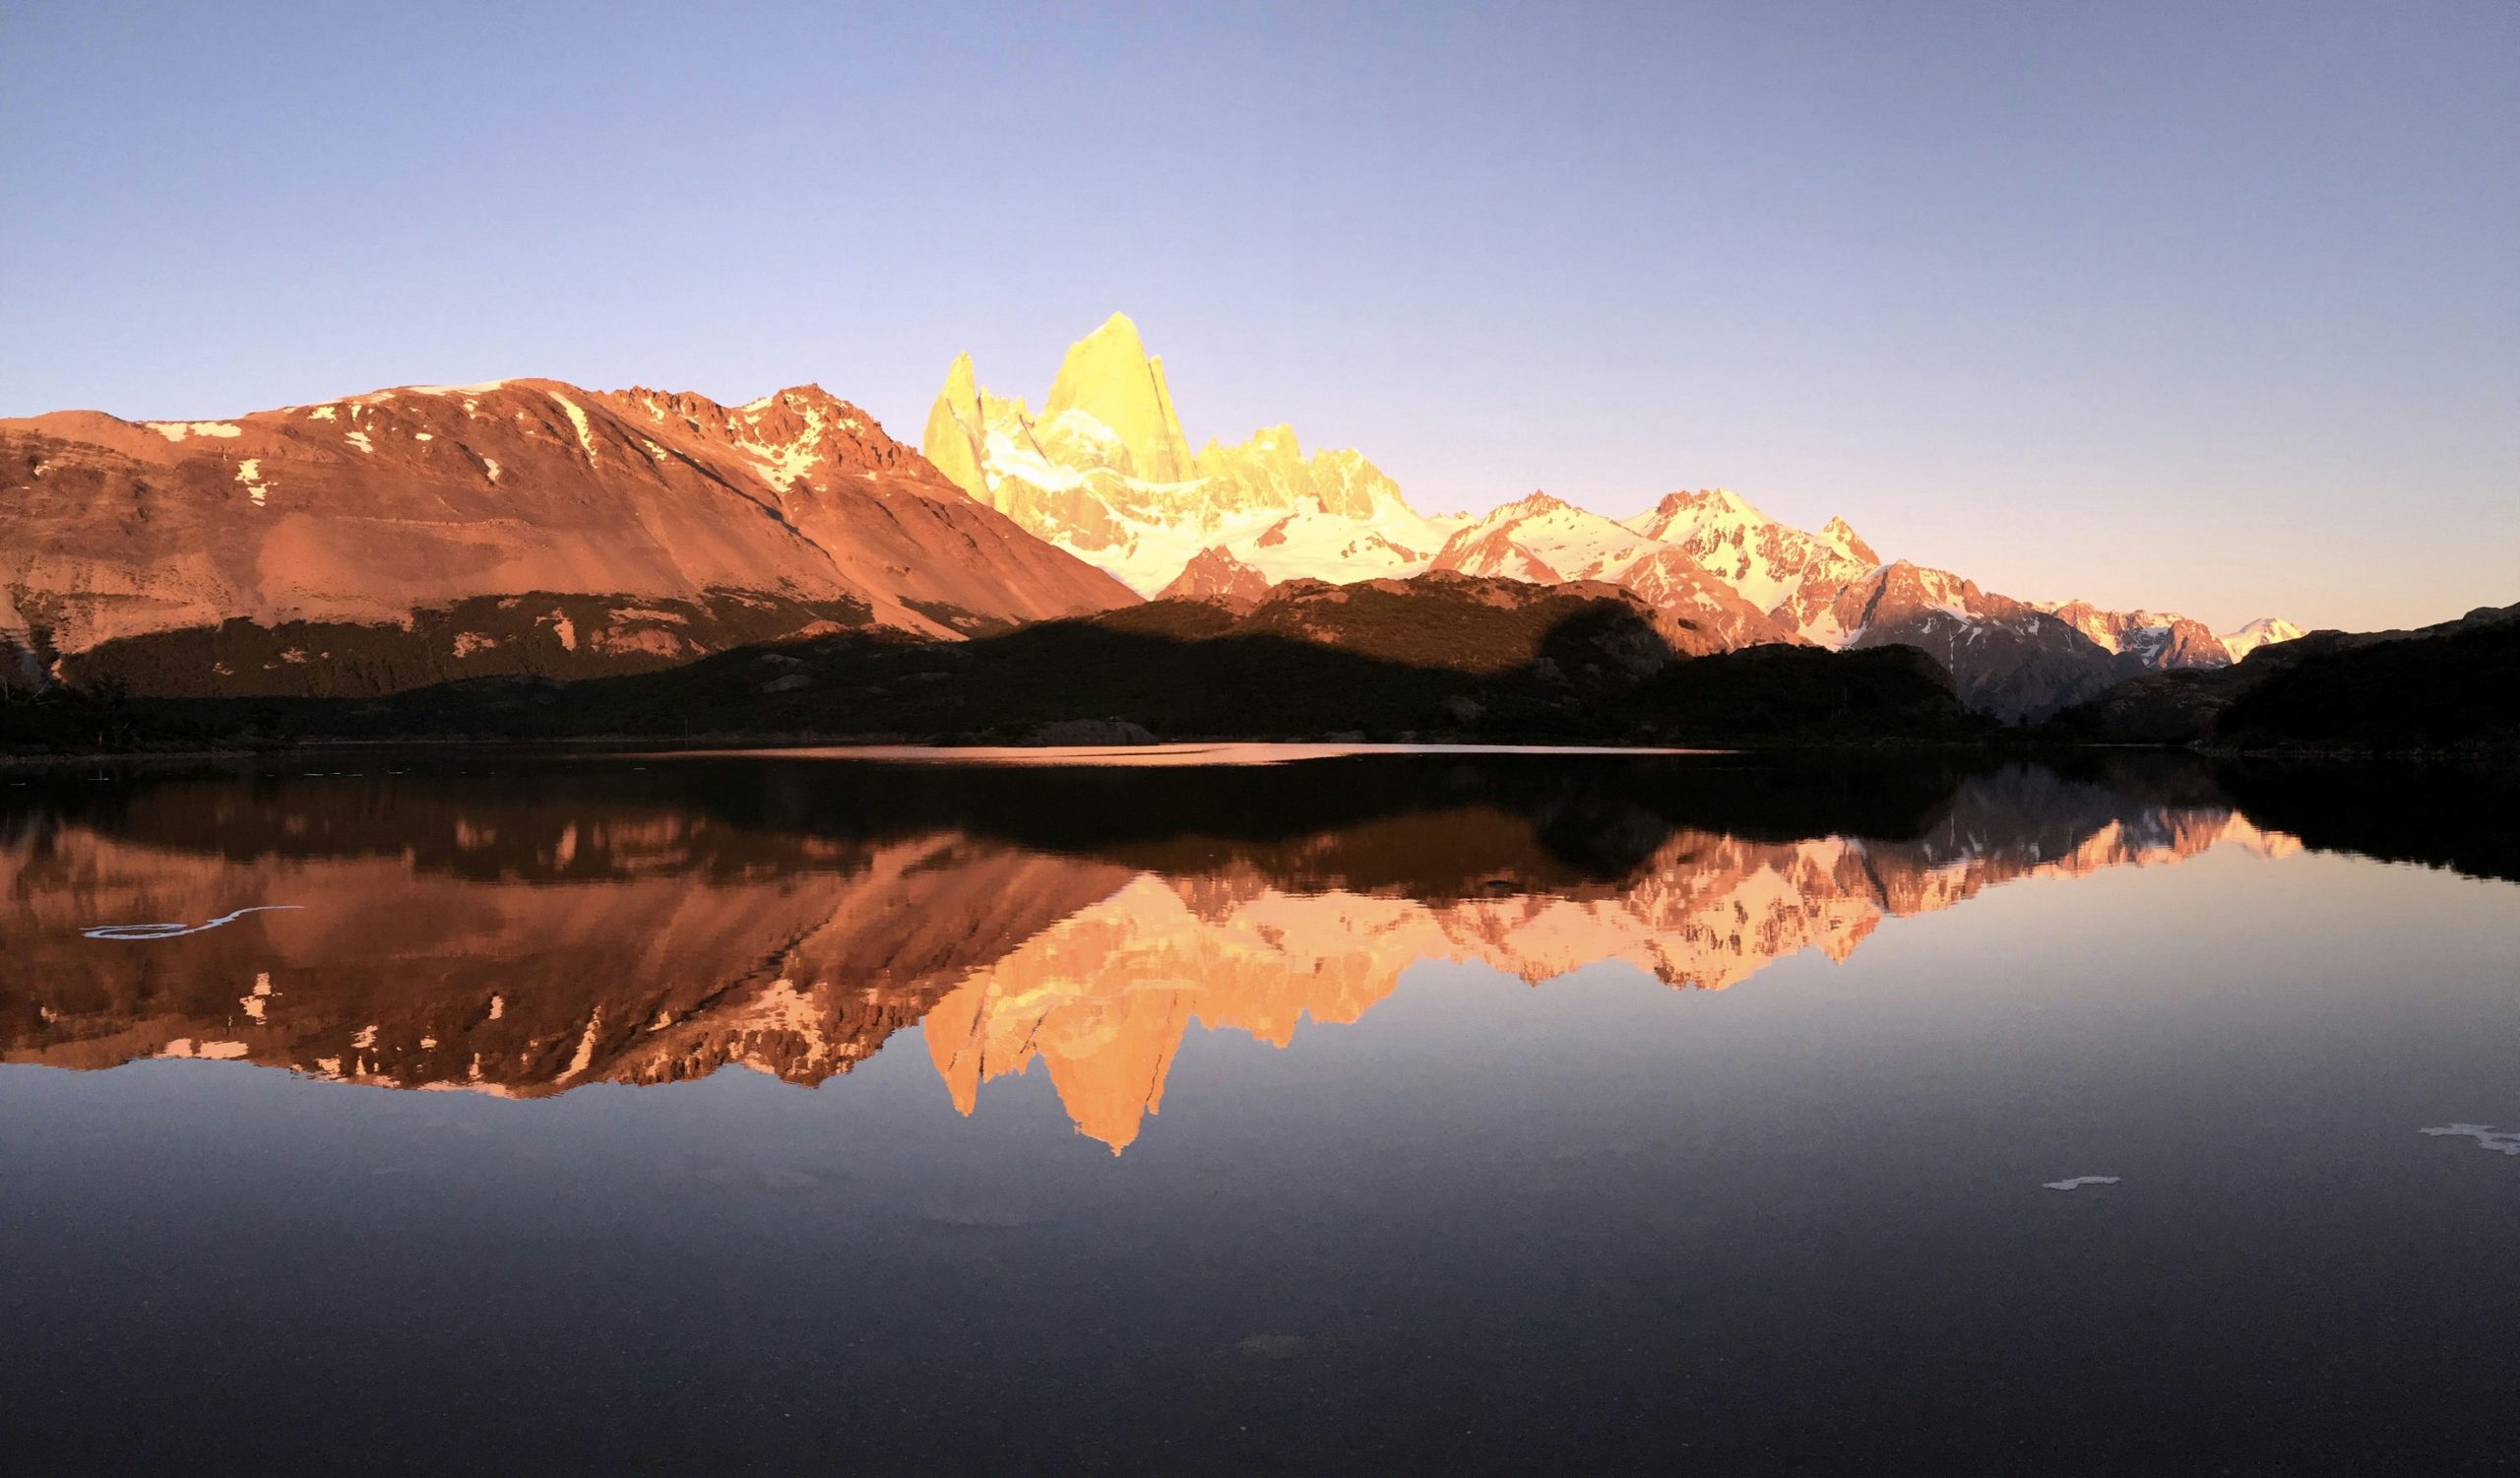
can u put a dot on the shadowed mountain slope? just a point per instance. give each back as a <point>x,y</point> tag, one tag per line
<point>1439,656</point>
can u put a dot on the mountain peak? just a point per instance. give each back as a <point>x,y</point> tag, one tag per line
<point>952,438</point>
<point>1121,326</point>
<point>1214,574</point>
<point>2265,631</point>
<point>1106,472</point>
<point>1722,501</point>
<point>1839,532</point>
<point>1107,376</point>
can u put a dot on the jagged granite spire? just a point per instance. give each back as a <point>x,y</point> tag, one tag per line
<point>1109,376</point>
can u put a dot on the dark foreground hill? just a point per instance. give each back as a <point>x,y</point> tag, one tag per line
<point>2442,688</point>
<point>1440,657</point>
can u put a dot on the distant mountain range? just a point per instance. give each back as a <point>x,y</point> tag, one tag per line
<point>403,538</point>
<point>1104,473</point>
<point>2448,687</point>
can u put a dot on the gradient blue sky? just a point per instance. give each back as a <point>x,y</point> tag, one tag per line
<point>2211,306</point>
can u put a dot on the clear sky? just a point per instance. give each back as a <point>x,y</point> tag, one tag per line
<point>2205,305</point>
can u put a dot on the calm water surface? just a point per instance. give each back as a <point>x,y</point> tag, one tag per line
<point>1351,1113</point>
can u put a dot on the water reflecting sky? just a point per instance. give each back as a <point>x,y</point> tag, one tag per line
<point>1488,1113</point>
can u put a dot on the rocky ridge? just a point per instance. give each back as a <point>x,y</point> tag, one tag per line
<point>365,518</point>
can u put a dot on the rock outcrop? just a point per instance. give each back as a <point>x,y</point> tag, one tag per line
<point>1216,575</point>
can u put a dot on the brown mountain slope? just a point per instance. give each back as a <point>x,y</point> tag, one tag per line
<point>2160,640</point>
<point>358,515</point>
<point>1215,574</point>
<point>2009,658</point>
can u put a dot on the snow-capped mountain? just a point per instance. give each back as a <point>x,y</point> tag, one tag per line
<point>1793,576</point>
<point>1106,472</point>
<point>429,532</point>
<point>2156,639</point>
<point>2009,658</point>
<point>2265,631</point>
<point>1545,540</point>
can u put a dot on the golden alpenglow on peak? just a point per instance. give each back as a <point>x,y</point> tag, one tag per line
<point>1109,376</point>
<point>1271,461</point>
<point>953,439</point>
<point>1106,474</point>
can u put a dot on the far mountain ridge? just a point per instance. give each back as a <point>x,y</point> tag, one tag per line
<point>429,534</point>
<point>2443,688</point>
<point>2264,631</point>
<point>1100,472</point>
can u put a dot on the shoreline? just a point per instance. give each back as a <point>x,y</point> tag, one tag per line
<point>1184,752</point>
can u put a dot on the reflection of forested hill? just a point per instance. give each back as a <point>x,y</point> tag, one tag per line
<point>2444,815</point>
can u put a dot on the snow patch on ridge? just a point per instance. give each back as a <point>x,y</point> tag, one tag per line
<point>783,464</point>
<point>577,418</point>
<point>178,430</point>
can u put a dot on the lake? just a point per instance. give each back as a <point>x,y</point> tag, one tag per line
<point>1273,1112</point>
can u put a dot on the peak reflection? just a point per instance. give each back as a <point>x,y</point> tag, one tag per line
<point>523,934</point>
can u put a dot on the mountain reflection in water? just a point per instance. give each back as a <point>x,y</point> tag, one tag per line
<point>526,932</point>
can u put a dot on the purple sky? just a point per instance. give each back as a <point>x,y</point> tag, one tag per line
<point>2209,306</point>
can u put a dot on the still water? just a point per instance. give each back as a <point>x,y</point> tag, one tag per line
<point>1323,1113</point>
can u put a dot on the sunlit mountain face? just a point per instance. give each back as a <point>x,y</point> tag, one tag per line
<point>526,928</point>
